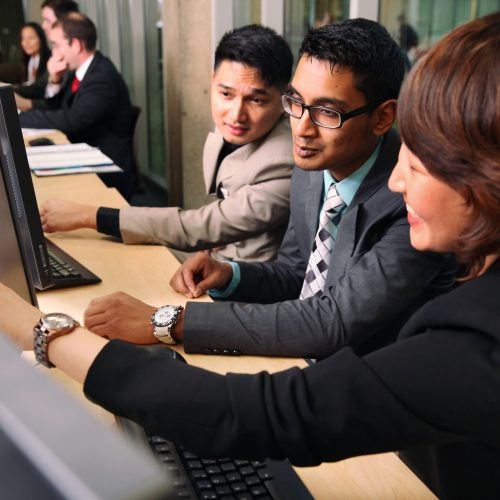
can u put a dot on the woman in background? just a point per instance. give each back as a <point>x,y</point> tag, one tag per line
<point>35,54</point>
<point>434,394</point>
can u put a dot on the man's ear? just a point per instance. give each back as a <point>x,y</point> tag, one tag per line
<point>384,117</point>
<point>78,45</point>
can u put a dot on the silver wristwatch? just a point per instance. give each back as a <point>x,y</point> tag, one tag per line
<point>49,327</point>
<point>164,320</point>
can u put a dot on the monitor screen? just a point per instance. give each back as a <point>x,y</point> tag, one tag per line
<point>21,194</point>
<point>51,447</point>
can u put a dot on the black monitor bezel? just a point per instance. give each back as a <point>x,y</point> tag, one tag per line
<point>21,193</point>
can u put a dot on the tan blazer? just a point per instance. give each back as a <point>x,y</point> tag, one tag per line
<point>248,224</point>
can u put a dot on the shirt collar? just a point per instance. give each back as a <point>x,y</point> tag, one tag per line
<point>80,72</point>
<point>347,187</point>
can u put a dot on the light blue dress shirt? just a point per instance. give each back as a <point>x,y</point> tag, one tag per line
<point>346,188</point>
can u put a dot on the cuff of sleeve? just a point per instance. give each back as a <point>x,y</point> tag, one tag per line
<point>108,221</point>
<point>52,89</point>
<point>222,293</point>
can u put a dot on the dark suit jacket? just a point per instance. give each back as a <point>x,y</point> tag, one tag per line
<point>434,393</point>
<point>100,114</point>
<point>36,92</point>
<point>375,276</point>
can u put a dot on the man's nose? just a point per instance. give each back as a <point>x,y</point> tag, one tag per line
<point>238,110</point>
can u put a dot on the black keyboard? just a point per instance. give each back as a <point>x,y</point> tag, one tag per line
<point>221,478</point>
<point>66,271</point>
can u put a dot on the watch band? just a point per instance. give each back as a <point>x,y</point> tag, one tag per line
<point>163,331</point>
<point>164,334</point>
<point>42,336</point>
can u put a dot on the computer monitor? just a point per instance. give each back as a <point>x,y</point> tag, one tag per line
<point>20,192</point>
<point>14,271</point>
<point>51,447</point>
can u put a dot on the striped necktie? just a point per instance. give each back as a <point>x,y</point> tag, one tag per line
<point>317,268</point>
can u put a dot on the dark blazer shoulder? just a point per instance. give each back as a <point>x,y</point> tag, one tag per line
<point>473,305</point>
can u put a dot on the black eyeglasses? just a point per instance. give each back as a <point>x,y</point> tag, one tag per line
<point>320,115</point>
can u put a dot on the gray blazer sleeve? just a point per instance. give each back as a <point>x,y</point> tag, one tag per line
<point>376,286</point>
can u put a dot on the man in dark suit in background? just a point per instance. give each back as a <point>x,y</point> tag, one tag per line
<point>311,302</point>
<point>96,106</point>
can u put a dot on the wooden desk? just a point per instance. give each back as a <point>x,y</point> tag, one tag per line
<point>144,272</point>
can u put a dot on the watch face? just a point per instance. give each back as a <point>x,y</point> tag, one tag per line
<point>57,321</point>
<point>164,315</point>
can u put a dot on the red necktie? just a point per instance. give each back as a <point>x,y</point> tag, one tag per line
<point>75,84</point>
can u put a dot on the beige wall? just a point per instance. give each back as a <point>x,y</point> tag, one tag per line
<point>188,58</point>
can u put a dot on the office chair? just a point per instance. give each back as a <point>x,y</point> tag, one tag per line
<point>136,119</point>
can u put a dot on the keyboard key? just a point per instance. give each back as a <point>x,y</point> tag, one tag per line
<point>233,477</point>
<point>213,469</point>
<point>258,491</point>
<point>216,480</point>
<point>244,496</point>
<point>223,490</point>
<point>264,474</point>
<point>239,487</point>
<point>193,464</point>
<point>247,470</point>
<point>208,495</point>
<point>199,474</point>
<point>252,480</point>
<point>228,466</point>
<point>202,484</point>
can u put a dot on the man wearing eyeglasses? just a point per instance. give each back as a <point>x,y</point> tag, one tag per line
<point>346,273</point>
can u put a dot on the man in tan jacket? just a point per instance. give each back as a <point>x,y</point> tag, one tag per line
<point>247,164</point>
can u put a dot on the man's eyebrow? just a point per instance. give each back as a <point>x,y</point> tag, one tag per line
<point>253,90</point>
<point>319,100</point>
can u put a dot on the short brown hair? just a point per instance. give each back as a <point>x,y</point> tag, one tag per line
<point>60,7</point>
<point>449,117</point>
<point>76,25</point>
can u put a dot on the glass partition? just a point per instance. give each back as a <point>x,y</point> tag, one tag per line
<point>300,15</point>
<point>130,34</point>
<point>246,12</point>
<point>419,24</point>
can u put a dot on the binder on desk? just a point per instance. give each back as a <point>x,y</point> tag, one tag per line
<point>66,159</point>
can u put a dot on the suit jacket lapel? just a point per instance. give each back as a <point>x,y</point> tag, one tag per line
<point>211,151</point>
<point>349,230</point>
<point>66,86</point>
<point>68,79</point>
<point>310,201</point>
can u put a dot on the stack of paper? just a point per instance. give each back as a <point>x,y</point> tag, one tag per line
<point>68,159</point>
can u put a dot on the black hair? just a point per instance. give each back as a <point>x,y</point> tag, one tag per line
<point>45,52</point>
<point>60,7</point>
<point>365,48</point>
<point>76,25</point>
<point>258,47</point>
